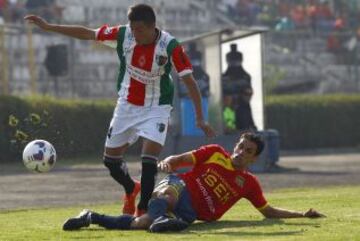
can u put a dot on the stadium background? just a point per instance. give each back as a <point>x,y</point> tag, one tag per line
<point>311,55</point>
<point>310,47</point>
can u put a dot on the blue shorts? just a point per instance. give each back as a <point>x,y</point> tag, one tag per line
<point>183,208</point>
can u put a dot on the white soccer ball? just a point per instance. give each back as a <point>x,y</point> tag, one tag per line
<point>39,156</point>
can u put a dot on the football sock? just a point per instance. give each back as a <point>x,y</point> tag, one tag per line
<point>148,173</point>
<point>122,222</point>
<point>157,207</point>
<point>119,171</point>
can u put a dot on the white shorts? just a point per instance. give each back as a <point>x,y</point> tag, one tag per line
<point>131,121</point>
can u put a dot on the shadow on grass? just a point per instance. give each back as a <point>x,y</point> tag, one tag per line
<point>221,224</point>
<point>243,227</point>
<point>227,227</point>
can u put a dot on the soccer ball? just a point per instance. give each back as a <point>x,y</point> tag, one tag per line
<point>39,156</point>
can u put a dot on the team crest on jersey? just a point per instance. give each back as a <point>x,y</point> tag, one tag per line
<point>160,127</point>
<point>142,61</point>
<point>108,31</point>
<point>239,180</point>
<point>161,60</point>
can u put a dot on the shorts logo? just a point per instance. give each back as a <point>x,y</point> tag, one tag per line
<point>109,133</point>
<point>160,127</point>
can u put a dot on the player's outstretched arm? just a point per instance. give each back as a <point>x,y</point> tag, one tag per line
<point>273,212</point>
<point>195,96</point>
<point>75,31</point>
<point>171,163</point>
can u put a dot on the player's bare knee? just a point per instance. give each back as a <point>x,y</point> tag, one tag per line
<point>115,151</point>
<point>155,194</point>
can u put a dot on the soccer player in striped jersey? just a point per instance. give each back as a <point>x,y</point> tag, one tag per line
<point>145,88</point>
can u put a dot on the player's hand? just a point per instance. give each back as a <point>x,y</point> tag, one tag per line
<point>38,21</point>
<point>206,128</point>
<point>165,166</point>
<point>312,213</point>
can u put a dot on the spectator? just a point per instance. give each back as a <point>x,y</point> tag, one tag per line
<point>311,9</point>
<point>334,45</point>
<point>324,17</point>
<point>235,78</point>
<point>200,75</point>
<point>45,8</point>
<point>236,82</point>
<point>17,10</point>
<point>298,16</point>
<point>3,8</point>
<point>202,78</point>
<point>243,113</point>
<point>285,24</point>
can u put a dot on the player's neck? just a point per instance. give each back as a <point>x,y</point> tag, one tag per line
<point>153,38</point>
<point>238,167</point>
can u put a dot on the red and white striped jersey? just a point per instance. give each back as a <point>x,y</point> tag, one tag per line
<point>144,74</point>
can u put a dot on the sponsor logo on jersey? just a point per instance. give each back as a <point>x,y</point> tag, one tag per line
<point>142,75</point>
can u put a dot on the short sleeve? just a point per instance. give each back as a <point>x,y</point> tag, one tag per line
<point>256,195</point>
<point>108,35</point>
<point>181,61</point>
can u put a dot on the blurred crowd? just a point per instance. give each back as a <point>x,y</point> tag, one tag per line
<point>12,11</point>
<point>337,21</point>
<point>317,15</point>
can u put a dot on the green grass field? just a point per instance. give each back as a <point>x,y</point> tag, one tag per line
<point>340,204</point>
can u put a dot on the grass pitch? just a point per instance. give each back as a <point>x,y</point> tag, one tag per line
<point>242,222</point>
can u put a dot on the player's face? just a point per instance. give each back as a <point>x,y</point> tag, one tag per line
<point>143,33</point>
<point>244,154</point>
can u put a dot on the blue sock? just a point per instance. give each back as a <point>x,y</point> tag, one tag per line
<point>122,222</point>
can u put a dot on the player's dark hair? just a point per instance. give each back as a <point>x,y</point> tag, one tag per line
<point>143,13</point>
<point>255,138</point>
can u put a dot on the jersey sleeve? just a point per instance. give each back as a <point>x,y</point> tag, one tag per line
<point>202,154</point>
<point>108,35</point>
<point>256,195</point>
<point>181,61</point>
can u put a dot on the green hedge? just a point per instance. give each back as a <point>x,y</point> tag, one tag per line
<point>308,121</point>
<point>73,127</point>
<point>78,127</point>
